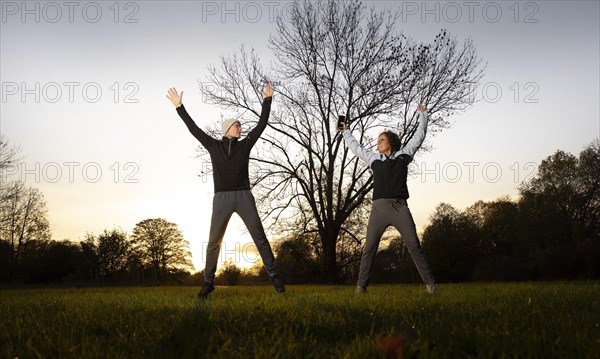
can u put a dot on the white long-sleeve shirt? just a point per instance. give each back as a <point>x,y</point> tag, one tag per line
<point>389,173</point>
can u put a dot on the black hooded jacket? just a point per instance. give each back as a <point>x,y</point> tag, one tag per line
<point>229,156</point>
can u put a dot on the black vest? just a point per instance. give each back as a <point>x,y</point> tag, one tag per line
<point>389,177</point>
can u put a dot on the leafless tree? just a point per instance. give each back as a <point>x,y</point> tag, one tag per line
<point>23,218</point>
<point>9,154</point>
<point>337,58</point>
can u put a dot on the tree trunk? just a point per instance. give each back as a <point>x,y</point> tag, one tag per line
<point>329,263</point>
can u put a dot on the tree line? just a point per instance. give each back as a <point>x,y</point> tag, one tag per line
<point>339,57</point>
<point>551,232</point>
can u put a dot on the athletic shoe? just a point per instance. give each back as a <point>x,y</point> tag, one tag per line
<point>360,290</point>
<point>207,288</point>
<point>277,283</point>
<point>432,288</point>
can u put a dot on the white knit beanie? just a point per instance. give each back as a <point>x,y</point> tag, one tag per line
<point>227,124</point>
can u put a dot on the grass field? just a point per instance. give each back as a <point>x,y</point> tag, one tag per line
<point>541,320</point>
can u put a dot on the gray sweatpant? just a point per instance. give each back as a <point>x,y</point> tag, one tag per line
<point>395,212</point>
<point>241,202</point>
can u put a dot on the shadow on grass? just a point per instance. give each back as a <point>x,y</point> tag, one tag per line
<point>190,338</point>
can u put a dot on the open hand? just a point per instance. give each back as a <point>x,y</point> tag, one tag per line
<point>174,97</point>
<point>268,91</point>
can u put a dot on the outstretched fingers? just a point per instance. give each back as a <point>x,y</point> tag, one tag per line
<point>174,96</point>
<point>268,91</point>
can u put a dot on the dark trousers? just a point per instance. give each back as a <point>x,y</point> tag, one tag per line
<point>386,212</point>
<point>224,205</point>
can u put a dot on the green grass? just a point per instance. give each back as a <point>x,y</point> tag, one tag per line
<point>541,320</point>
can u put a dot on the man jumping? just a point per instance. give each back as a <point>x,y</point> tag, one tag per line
<point>230,157</point>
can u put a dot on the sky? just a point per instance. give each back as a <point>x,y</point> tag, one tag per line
<point>84,85</point>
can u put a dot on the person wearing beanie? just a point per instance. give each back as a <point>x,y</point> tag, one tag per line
<point>230,158</point>
<point>390,169</point>
<point>226,125</point>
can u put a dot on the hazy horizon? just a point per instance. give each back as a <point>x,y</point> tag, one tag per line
<point>84,84</point>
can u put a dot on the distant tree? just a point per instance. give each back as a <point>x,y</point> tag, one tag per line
<point>30,267</point>
<point>259,272</point>
<point>394,263</point>
<point>9,155</point>
<point>23,218</point>
<point>588,214</point>
<point>450,243</point>
<point>497,223</point>
<point>562,202</point>
<point>195,279</point>
<point>546,202</point>
<point>230,273</point>
<point>5,258</point>
<point>60,260</point>
<point>136,269</point>
<point>296,261</point>
<point>89,257</point>
<point>161,246</point>
<point>113,250</point>
<point>351,242</point>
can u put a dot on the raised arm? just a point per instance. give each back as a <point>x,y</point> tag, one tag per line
<point>254,135</point>
<point>177,99</point>
<point>359,151</point>
<point>415,142</point>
